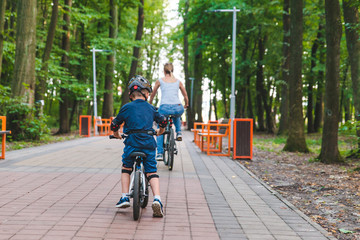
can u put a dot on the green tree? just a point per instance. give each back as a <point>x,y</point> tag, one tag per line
<point>136,51</point>
<point>108,109</point>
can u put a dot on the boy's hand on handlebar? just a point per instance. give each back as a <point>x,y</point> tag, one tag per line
<point>160,131</point>
<point>117,135</point>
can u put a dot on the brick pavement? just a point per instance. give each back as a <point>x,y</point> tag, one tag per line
<point>68,191</point>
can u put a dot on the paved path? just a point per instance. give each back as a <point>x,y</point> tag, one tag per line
<point>69,190</point>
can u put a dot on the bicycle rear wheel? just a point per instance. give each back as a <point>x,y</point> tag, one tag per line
<point>166,149</point>
<point>136,197</point>
<point>145,198</point>
<point>171,150</point>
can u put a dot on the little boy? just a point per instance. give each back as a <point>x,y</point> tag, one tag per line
<point>139,116</point>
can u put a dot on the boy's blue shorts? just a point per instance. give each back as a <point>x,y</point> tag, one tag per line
<point>150,164</point>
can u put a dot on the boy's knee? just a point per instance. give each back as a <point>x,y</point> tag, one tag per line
<point>150,176</point>
<point>126,170</point>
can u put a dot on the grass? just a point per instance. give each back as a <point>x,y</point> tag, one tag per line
<point>274,143</point>
<point>46,139</point>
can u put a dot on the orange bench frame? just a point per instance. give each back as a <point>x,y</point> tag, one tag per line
<point>3,142</point>
<point>214,139</point>
<point>103,124</point>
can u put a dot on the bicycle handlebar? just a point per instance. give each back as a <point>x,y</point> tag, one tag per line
<point>151,133</point>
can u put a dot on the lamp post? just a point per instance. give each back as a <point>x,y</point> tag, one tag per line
<point>94,76</point>
<point>232,96</point>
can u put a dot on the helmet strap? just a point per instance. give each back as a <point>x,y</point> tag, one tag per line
<point>143,95</point>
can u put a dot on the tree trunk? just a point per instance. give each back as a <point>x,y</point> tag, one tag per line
<point>40,88</point>
<point>2,22</point>
<point>13,7</point>
<point>24,69</point>
<point>284,106</point>
<point>23,83</point>
<point>64,93</point>
<point>136,52</point>
<point>260,89</point>
<point>260,85</point>
<point>296,139</point>
<point>250,113</point>
<point>197,92</point>
<point>343,98</point>
<point>329,147</point>
<point>351,17</point>
<point>264,93</point>
<point>241,87</point>
<point>108,110</point>
<point>314,48</point>
<point>214,100</point>
<point>189,111</point>
<point>320,90</point>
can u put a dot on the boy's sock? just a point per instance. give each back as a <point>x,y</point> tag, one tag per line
<point>157,197</point>
<point>123,195</point>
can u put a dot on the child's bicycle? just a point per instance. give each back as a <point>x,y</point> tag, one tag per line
<point>169,144</point>
<point>139,186</point>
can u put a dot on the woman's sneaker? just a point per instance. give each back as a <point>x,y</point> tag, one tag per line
<point>123,203</point>
<point>179,136</point>
<point>157,208</point>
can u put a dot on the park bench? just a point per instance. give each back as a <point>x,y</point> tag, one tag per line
<point>200,127</point>
<point>3,133</point>
<point>209,137</point>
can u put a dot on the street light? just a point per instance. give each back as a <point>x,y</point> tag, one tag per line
<point>232,96</point>
<point>94,77</point>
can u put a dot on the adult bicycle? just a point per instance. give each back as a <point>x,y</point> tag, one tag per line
<point>139,185</point>
<point>169,144</point>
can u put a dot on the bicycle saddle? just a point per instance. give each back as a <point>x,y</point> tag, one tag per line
<point>135,154</point>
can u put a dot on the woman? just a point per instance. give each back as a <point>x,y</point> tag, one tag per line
<point>170,103</point>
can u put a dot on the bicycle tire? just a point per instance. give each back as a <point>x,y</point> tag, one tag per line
<point>145,198</point>
<point>166,149</point>
<point>136,197</point>
<point>171,150</point>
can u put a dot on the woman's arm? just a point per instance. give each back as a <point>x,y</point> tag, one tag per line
<point>157,85</point>
<point>184,93</point>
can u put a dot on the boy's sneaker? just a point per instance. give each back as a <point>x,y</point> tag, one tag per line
<point>123,203</point>
<point>157,208</point>
<point>179,136</point>
<point>159,157</point>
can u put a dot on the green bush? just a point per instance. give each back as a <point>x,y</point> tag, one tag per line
<point>21,118</point>
<point>350,129</point>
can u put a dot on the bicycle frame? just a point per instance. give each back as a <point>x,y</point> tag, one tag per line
<point>138,167</point>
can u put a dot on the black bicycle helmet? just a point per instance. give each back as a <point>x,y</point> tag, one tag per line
<point>138,83</point>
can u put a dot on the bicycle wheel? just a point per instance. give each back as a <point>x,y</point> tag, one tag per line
<point>136,197</point>
<point>171,149</point>
<point>166,149</point>
<point>145,198</point>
